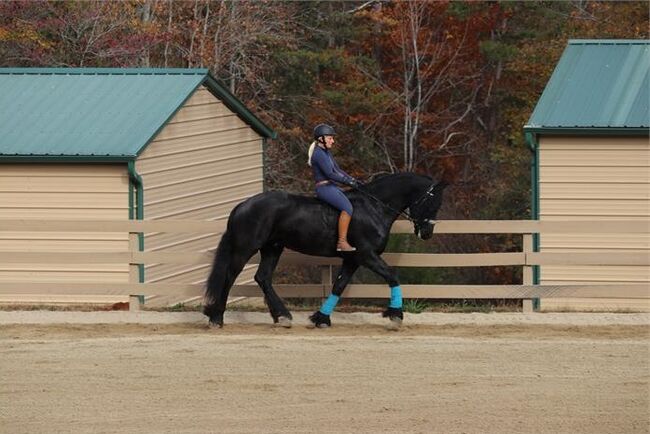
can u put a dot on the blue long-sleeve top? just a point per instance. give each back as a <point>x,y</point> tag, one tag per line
<point>325,168</point>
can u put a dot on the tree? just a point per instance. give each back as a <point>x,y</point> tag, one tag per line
<point>69,33</point>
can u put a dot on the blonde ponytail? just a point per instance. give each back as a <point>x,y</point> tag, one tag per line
<point>311,152</point>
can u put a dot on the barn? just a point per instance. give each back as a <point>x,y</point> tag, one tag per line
<point>120,143</point>
<point>589,134</point>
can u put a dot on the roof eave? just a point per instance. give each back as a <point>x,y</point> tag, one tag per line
<point>590,131</point>
<point>608,42</point>
<point>103,71</point>
<point>234,104</point>
<point>66,158</point>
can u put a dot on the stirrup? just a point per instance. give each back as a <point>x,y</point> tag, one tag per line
<point>344,249</point>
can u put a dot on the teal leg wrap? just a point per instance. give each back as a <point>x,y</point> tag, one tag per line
<point>328,306</point>
<point>396,297</point>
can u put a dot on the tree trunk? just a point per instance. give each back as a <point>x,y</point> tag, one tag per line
<point>146,19</point>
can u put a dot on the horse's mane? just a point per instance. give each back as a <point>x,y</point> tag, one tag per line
<point>378,175</point>
<point>379,179</point>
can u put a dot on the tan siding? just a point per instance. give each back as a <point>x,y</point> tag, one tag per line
<point>206,168</point>
<point>79,191</point>
<point>63,241</point>
<point>619,175</point>
<point>192,112</point>
<point>589,207</point>
<point>603,242</point>
<point>163,241</point>
<point>591,178</point>
<point>195,274</point>
<point>201,165</point>
<point>64,274</point>
<point>202,96</point>
<point>595,304</point>
<point>594,218</point>
<point>201,155</point>
<point>162,205</point>
<point>593,274</point>
<point>594,190</point>
<point>197,141</point>
<point>593,143</point>
<point>203,212</point>
<point>594,158</point>
<point>180,186</point>
<point>200,126</point>
<point>61,199</point>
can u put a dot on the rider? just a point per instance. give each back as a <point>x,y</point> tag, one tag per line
<point>325,172</point>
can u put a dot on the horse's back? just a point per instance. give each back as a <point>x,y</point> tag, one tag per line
<point>273,207</point>
<point>275,201</point>
<point>300,223</point>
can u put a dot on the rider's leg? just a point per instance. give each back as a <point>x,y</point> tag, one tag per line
<point>344,223</point>
<point>334,196</point>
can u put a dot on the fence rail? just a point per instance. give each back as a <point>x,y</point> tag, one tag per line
<point>526,259</point>
<point>394,259</point>
<point>400,226</point>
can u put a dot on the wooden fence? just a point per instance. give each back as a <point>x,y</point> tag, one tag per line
<point>526,258</point>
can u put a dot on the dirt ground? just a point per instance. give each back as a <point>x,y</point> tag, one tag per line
<point>252,378</point>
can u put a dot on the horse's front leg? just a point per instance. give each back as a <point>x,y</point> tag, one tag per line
<point>394,311</point>
<point>321,318</point>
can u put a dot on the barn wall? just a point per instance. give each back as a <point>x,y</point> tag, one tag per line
<point>64,191</point>
<point>591,178</point>
<point>204,162</point>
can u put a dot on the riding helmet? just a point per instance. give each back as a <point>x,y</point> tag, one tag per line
<point>323,130</point>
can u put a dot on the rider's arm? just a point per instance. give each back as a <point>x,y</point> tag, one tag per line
<point>342,172</point>
<point>327,166</point>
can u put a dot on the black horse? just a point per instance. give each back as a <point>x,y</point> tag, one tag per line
<point>271,221</point>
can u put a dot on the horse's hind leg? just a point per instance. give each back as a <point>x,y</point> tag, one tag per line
<point>270,255</point>
<point>216,310</point>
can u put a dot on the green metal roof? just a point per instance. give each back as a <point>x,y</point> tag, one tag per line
<point>97,114</point>
<point>598,86</point>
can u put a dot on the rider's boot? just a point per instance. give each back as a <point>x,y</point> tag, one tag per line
<point>344,223</point>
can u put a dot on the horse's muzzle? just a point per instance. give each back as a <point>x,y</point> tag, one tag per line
<point>424,230</point>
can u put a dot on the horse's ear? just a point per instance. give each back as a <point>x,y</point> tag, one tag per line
<point>441,185</point>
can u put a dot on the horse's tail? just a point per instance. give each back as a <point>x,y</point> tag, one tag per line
<point>218,281</point>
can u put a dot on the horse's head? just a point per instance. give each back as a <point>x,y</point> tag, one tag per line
<point>425,209</point>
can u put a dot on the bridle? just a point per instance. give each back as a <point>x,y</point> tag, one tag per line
<point>415,221</point>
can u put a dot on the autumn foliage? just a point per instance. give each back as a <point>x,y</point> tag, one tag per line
<point>442,88</point>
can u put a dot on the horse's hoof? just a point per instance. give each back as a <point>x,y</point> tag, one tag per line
<point>319,320</point>
<point>395,315</point>
<point>215,325</point>
<point>394,324</point>
<point>393,312</point>
<point>283,321</point>
<point>311,325</point>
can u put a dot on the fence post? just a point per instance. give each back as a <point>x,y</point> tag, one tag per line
<point>527,304</point>
<point>135,300</point>
<point>326,279</point>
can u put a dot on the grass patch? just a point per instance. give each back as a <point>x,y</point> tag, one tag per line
<point>179,307</point>
<point>414,305</point>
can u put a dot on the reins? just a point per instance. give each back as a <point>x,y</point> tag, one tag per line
<point>429,192</point>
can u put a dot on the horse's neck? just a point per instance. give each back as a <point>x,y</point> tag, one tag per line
<point>398,195</point>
